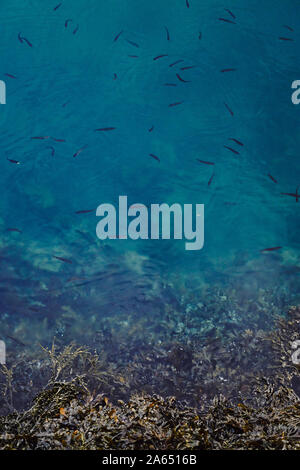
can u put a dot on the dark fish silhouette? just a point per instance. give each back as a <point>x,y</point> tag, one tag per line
<point>13,161</point>
<point>67,22</point>
<point>181,79</point>
<point>271,249</point>
<point>175,63</point>
<point>175,104</point>
<point>76,29</point>
<point>296,195</point>
<point>271,178</point>
<point>187,3</point>
<point>211,179</point>
<point>52,150</point>
<point>286,39</point>
<point>104,129</point>
<point>57,6</point>
<point>118,35</point>
<point>17,341</point>
<point>232,150</point>
<point>86,211</point>
<point>230,13</point>
<point>58,140</point>
<point>132,43</point>
<point>22,39</point>
<point>64,260</point>
<point>151,129</point>
<point>79,151</point>
<point>168,34</point>
<point>288,27</point>
<point>227,21</point>
<point>10,75</point>
<point>40,137</point>
<point>236,141</point>
<point>188,67</point>
<point>160,56</point>
<point>228,70</point>
<point>205,162</point>
<point>154,156</point>
<point>231,112</point>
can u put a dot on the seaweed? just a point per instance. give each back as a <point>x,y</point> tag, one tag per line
<point>78,408</point>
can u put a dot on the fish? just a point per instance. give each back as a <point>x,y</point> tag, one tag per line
<point>52,150</point>
<point>211,179</point>
<point>85,211</point>
<point>200,35</point>
<point>286,39</point>
<point>76,29</point>
<point>296,195</point>
<point>236,141</point>
<point>10,75</point>
<point>105,129</point>
<point>134,56</point>
<point>14,161</point>
<point>78,152</point>
<point>118,35</point>
<point>177,62</point>
<point>275,248</point>
<point>22,39</point>
<point>181,79</point>
<point>168,34</point>
<point>151,129</point>
<point>115,76</point>
<point>205,162</point>
<point>64,260</point>
<point>271,178</point>
<point>230,13</point>
<point>132,43</point>
<point>67,22</point>
<point>188,67</point>
<point>170,84</point>
<point>232,150</point>
<point>20,343</point>
<point>57,6</point>
<point>154,156</point>
<point>227,70</point>
<point>231,112</point>
<point>40,137</point>
<point>226,20</point>
<point>187,3</point>
<point>160,56</point>
<point>13,230</point>
<point>288,27</point>
<point>171,105</point>
<point>57,140</point>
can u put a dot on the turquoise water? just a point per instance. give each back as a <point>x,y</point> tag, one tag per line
<point>65,87</point>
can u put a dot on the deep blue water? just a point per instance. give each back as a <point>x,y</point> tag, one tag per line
<point>65,88</point>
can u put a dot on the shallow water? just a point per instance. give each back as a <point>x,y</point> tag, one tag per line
<point>65,89</point>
